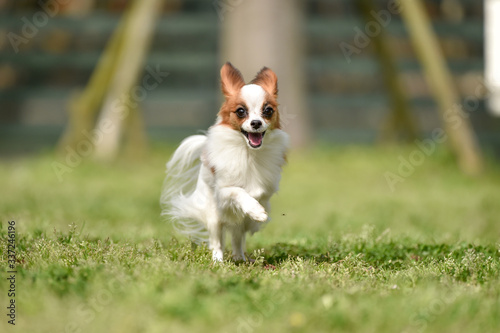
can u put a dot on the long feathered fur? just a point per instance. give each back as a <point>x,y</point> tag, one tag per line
<point>178,188</point>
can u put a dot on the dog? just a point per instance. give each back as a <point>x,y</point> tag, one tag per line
<point>223,180</point>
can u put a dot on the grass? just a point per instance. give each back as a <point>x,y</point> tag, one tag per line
<point>343,252</point>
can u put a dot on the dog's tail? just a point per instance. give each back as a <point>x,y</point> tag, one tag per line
<point>177,195</point>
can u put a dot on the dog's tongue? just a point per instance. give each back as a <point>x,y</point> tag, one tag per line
<point>255,138</point>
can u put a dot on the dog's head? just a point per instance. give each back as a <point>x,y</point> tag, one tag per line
<point>251,109</point>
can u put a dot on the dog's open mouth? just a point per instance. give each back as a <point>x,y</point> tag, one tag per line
<point>254,139</point>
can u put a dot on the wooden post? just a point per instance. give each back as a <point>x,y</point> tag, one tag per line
<point>258,33</point>
<point>137,36</point>
<point>84,107</point>
<point>136,141</point>
<point>400,122</point>
<point>459,130</point>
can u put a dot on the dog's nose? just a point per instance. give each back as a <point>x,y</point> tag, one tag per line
<point>256,124</point>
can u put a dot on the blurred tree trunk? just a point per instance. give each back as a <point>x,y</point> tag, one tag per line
<point>119,101</point>
<point>135,141</point>
<point>84,107</point>
<point>260,33</point>
<point>457,126</point>
<point>400,123</point>
<point>107,103</point>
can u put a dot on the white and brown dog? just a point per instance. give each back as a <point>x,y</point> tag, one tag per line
<point>223,180</point>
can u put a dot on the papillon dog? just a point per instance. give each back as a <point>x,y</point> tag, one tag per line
<point>223,180</point>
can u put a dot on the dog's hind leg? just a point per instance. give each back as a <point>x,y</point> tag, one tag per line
<point>238,242</point>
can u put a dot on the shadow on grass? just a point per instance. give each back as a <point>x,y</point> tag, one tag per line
<point>387,255</point>
<point>66,257</point>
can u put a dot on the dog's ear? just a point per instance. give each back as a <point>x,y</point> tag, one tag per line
<point>231,80</point>
<point>268,80</point>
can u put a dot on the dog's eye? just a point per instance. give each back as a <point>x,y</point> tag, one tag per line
<point>241,113</point>
<point>268,112</point>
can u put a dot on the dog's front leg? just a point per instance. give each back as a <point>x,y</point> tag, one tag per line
<point>216,240</point>
<point>237,200</point>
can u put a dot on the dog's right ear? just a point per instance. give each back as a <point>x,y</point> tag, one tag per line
<point>231,80</point>
<point>268,80</point>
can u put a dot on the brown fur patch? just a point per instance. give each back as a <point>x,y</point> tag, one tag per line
<point>231,80</point>
<point>268,80</point>
<point>206,163</point>
<point>274,121</point>
<point>228,115</point>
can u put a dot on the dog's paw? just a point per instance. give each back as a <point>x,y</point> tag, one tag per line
<point>239,258</point>
<point>258,213</point>
<point>259,217</point>
<point>217,256</point>
<point>253,209</point>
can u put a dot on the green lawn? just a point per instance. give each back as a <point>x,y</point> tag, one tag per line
<point>343,252</point>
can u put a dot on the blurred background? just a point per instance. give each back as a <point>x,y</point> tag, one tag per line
<point>331,66</point>
<point>390,110</point>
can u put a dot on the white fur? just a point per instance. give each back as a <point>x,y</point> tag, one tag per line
<point>179,186</point>
<point>254,96</point>
<point>235,198</point>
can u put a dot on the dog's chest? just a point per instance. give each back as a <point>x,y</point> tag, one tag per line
<point>233,164</point>
<point>261,174</point>
<point>258,174</point>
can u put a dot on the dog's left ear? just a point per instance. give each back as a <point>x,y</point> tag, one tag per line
<point>268,80</point>
<point>231,80</point>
